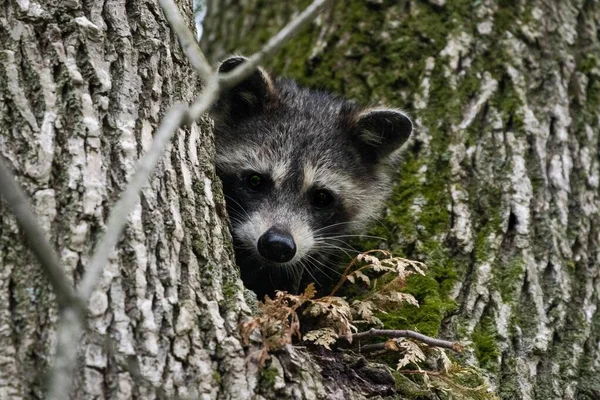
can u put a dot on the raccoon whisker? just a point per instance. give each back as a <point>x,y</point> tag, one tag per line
<point>236,213</point>
<point>336,238</point>
<point>314,260</point>
<point>334,226</point>
<point>270,273</point>
<point>328,245</point>
<point>287,269</point>
<point>296,273</point>
<point>235,225</point>
<point>283,272</point>
<point>333,253</point>
<point>327,251</point>
<point>237,203</point>
<point>381,222</point>
<point>307,269</point>
<point>236,218</point>
<point>357,236</point>
<point>340,242</point>
<point>322,263</point>
<point>333,246</point>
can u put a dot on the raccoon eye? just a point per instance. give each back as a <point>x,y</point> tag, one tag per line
<point>322,198</point>
<point>255,181</point>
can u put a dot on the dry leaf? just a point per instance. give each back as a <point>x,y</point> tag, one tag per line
<point>412,354</point>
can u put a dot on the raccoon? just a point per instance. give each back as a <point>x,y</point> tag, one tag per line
<point>302,171</point>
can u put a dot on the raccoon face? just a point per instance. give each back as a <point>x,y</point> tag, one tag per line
<point>301,170</point>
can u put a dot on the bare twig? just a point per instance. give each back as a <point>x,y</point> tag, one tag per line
<point>344,276</point>
<point>121,210</point>
<point>65,361</point>
<point>186,39</point>
<point>372,348</point>
<point>209,95</point>
<point>419,372</point>
<point>409,334</point>
<point>38,243</point>
<point>237,75</point>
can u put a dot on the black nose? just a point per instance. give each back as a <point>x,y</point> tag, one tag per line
<point>277,245</point>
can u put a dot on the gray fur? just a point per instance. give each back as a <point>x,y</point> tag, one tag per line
<point>300,140</point>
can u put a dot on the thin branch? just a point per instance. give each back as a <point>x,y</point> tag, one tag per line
<point>419,372</point>
<point>344,277</point>
<point>186,39</point>
<point>372,348</point>
<point>207,98</point>
<point>125,205</point>
<point>456,346</point>
<point>237,75</point>
<point>69,330</point>
<point>38,243</point>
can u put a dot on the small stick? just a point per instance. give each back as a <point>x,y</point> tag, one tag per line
<point>234,77</point>
<point>455,346</point>
<point>188,43</point>
<point>38,243</point>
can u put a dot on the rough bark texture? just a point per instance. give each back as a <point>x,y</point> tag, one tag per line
<point>83,85</point>
<point>498,192</point>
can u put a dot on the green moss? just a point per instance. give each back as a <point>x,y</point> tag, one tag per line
<point>485,344</point>
<point>268,376</point>
<point>230,289</point>
<point>217,377</point>
<point>589,382</point>
<point>588,63</point>
<point>409,389</point>
<point>198,245</point>
<point>593,97</point>
<point>433,306</point>
<point>508,278</point>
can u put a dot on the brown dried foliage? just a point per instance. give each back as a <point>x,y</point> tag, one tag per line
<point>278,322</point>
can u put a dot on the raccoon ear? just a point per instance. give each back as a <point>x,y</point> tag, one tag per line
<point>249,96</point>
<point>381,131</point>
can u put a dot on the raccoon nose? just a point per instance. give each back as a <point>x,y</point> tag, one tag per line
<point>277,245</point>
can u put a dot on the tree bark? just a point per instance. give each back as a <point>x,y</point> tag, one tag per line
<point>498,191</point>
<point>83,85</point>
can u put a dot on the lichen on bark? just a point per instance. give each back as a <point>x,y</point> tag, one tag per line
<point>83,86</point>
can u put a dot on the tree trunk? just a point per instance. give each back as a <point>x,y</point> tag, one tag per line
<point>498,191</point>
<point>83,85</point>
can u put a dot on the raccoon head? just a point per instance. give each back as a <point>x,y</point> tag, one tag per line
<point>301,170</point>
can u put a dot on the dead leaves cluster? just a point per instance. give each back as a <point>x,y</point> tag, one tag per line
<point>385,290</point>
<point>279,322</point>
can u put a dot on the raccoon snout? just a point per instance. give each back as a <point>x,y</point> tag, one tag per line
<point>277,245</point>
